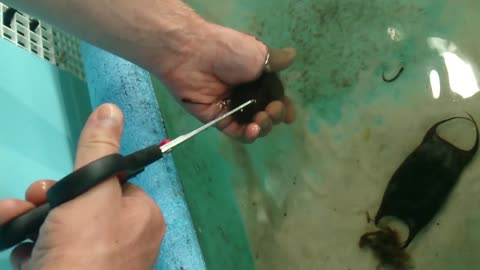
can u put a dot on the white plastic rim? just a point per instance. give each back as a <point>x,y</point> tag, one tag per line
<point>56,47</point>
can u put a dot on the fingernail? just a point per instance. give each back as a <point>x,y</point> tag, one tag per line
<point>257,130</point>
<point>281,58</point>
<point>108,115</point>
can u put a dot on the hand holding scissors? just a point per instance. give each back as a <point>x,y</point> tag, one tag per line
<point>92,174</point>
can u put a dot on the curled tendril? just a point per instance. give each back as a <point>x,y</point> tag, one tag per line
<point>394,77</point>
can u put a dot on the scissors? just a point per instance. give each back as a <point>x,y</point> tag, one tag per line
<point>124,167</point>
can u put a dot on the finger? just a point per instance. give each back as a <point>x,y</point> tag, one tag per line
<point>37,192</point>
<point>276,111</point>
<point>240,56</point>
<point>263,120</point>
<point>243,133</point>
<point>100,137</point>
<point>229,126</point>
<point>251,133</point>
<point>12,208</point>
<point>21,255</point>
<point>290,113</point>
<point>280,59</point>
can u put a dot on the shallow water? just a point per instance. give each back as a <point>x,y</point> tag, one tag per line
<point>302,193</point>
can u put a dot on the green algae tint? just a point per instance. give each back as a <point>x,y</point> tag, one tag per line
<point>297,199</point>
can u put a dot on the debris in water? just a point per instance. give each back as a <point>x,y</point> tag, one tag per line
<point>394,77</point>
<point>369,218</point>
<point>386,246</point>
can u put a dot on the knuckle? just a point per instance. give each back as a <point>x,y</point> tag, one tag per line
<point>151,216</point>
<point>147,210</point>
<point>156,214</point>
<point>96,141</point>
<point>143,209</point>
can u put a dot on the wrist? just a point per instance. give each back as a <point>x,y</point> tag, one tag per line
<point>167,41</point>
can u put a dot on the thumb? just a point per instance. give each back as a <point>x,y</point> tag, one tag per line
<point>100,137</point>
<point>279,59</point>
<point>239,57</point>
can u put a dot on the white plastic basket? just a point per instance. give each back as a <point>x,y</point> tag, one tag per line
<point>41,39</point>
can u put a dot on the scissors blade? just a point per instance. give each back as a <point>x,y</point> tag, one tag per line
<point>168,146</point>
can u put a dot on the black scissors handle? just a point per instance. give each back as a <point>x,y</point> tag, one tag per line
<point>80,181</point>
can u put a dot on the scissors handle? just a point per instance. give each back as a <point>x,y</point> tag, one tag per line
<point>75,184</point>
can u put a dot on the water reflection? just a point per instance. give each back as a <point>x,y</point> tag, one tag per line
<point>435,83</point>
<point>461,75</point>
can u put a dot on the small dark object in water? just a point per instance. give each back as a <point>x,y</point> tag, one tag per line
<point>369,218</point>
<point>386,246</point>
<point>267,88</point>
<point>394,77</point>
<point>417,191</point>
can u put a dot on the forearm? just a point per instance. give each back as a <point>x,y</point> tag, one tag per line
<point>142,31</point>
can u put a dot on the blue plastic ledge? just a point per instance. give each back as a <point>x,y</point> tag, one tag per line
<point>112,79</point>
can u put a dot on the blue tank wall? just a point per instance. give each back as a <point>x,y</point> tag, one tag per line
<point>114,80</point>
<point>42,109</point>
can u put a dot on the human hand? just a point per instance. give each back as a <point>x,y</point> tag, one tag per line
<point>200,62</point>
<point>210,64</point>
<point>109,227</point>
